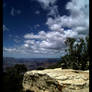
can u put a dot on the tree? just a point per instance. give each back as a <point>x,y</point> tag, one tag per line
<point>77,56</point>
<point>69,43</point>
<point>85,55</point>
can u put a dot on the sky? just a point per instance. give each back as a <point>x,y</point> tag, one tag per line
<point>38,28</point>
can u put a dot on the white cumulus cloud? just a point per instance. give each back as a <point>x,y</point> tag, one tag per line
<point>52,42</point>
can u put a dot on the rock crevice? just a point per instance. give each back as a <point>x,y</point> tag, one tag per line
<point>56,80</point>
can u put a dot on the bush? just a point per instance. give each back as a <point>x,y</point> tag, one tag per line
<point>77,56</point>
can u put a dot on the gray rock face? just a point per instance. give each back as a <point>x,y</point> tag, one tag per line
<point>56,80</point>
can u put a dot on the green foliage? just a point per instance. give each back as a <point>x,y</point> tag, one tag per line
<point>12,80</point>
<point>77,56</point>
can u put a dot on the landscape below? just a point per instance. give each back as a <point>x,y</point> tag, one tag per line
<point>36,75</point>
<point>67,74</point>
<point>30,63</point>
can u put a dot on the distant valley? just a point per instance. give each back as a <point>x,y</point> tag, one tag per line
<point>31,63</point>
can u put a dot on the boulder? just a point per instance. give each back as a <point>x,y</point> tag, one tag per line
<point>56,80</point>
<point>35,82</point>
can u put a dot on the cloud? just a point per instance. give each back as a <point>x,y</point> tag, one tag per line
<point>9,49</point>
<point>49,5</point>
<point>47,42</point>
<point>40,35</point>
<point>12,12</point>
<point>14,50</point>
<point>46,3</point>
<point>53,11</point>
<point>37,12</point>
<point>29,41</point>
<point>15,12</point>
<point>5,28</point>
<point>16,40</point>
<point>41,43</point>
<point>36,26</point>
<point>60,27</point>
<point>77,21</point>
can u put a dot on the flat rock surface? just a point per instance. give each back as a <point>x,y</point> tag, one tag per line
<point>72,80</point>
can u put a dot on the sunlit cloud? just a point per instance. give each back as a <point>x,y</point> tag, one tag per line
<point>52,42</point>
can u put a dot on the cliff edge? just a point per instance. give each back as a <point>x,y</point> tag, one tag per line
<point>56,80</point>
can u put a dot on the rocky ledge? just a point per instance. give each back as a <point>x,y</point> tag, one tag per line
<point>56,80</point>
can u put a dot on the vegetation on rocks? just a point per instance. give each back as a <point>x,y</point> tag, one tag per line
<point>77,55</point>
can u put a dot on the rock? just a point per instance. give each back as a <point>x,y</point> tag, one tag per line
<point>67,79</point>
<point>62,78</point>
<point>36,82</point>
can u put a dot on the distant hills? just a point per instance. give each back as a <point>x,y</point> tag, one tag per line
<point>31,63</point>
